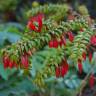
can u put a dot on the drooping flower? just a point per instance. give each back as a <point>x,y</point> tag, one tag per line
<point>71,36</point>
<point>64,69</point>
<point>6,61</point>
<point>50,44</point>
<point>90,56</point>
<point>80,66</point>
<point>55,43</point>
<point>11,64</point>
<point>91,81</point>
<point>57,72</point>
<point>25,61</point>
<point>62,42</point>
<point>93,40</point>
<point>84,56</point>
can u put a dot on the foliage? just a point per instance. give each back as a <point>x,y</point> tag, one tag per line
<point>51,57</point>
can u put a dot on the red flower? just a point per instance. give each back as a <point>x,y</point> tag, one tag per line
<point>11,64</point>
<point>71,36</point>
<point>62,42</point>
<point>24,61</point>
<point>80,66</point>
<point>57,72</point>
<point>37,19</point>
<point>84,55</point>
<point>64,69</point>
<point>93,40</point>
<point>91,81</point>
<point>50,44</point>
<point>55,43</point>
<point>90,56</point>
<point>6,61</point>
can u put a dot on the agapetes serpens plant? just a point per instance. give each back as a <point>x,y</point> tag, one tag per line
<point>71,39</point>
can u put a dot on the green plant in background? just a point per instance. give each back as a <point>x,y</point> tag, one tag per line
<point>8,5</point>
<point>50,52</point>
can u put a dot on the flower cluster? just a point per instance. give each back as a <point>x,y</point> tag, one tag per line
<point>36,19</point>
<point>62,70</point>
<point>8,63</point>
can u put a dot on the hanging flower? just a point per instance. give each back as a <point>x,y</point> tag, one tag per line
<point>90,56</point>
<point>24,61</point>
<point>84,56</point>
<point>50,44</point>
<point>6,61</point>
<point>91,81</point>
<point>64,69</point>
<point>62,42</point>
<point>93,40</point>
<point>80,66</point>
<point>34,19</point>
<point>71,36</point>
<point>55,43</point>
<point>57,72</point>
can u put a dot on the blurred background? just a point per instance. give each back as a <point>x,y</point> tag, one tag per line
<point>13,19</point>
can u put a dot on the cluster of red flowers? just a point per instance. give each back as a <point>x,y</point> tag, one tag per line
<point>38,19</point>
<point>55,43</point>
<point>62,70</point>
<point>8,63</point>
<point>24,61</point>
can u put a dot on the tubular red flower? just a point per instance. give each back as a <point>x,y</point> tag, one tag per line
<point>11,64</point>
<point>25,61</point>
<point>90,56</point>
<point>50,44</point>
<point>80,66</point>
<point>91,81</point>
<point>55,43</point>
<point>64,69</point>
<point>6,61</point>
<point>71,36</point>
<point>93,40</point>
<point>62,42</point>
<point>84,55</point>
<point>57,72</point>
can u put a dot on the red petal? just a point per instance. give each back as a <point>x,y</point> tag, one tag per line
<point>71,36</point>
<point>11,65</point>
<point>25,61</point>
<point>57,72</point>
<point>80,66</point>
<point>90,56</point>
<point>91,81</point>
<point>64,70</point>
<point>6,61</point>
<point>55,43</point>
<point>84,55</point>
<point>93,40</point>
<point>50,44</point>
